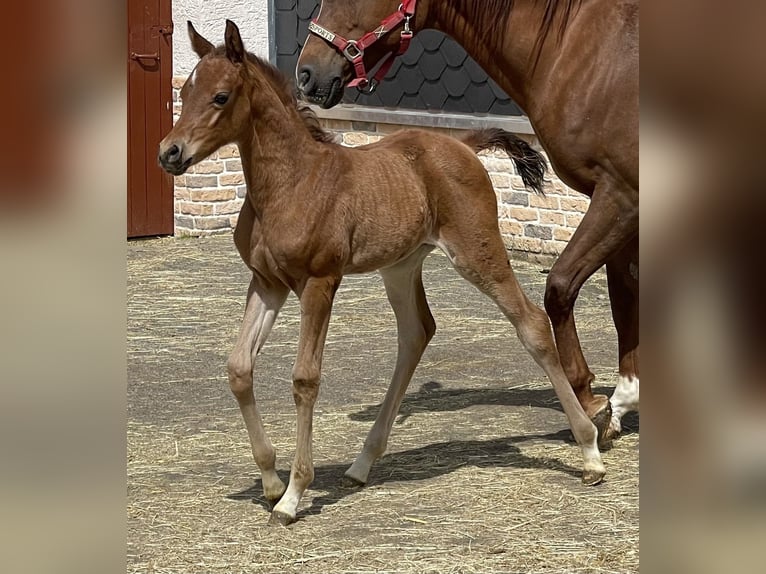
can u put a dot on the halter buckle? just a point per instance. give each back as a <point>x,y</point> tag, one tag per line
<point>352,51</point>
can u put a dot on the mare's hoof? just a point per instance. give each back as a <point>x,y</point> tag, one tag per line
<point>592,477</point>
<point>280,519</point>
<point>602,420</point>
<point>351,483</point>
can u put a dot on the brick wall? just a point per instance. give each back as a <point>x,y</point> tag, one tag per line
<point>209,196</point>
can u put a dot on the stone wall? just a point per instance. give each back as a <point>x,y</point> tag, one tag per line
<point>209,196</point>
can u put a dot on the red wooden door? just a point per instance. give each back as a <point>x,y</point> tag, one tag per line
<point>150,116</point>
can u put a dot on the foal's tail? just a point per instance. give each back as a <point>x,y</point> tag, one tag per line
<point>529,163</point>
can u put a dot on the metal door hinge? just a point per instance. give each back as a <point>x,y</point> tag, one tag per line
<point>137,57</point>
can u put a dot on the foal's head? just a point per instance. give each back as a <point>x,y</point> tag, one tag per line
<point>216,102</point>
<point>229,91</point>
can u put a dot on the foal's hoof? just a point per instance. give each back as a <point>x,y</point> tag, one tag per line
<point>612,432</point>
<point>592,477</point>
<point>273,489</point>
<point>280,519</point>
<point>602,419</point>
<point>350,482</point>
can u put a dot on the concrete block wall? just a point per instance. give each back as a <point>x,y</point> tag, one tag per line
<point>209,196</point>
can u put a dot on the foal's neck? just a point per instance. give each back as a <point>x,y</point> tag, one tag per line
<point>275,151</point>
<point>509,56</point>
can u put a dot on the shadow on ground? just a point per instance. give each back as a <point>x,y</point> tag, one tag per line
<point>422,463</point>
<point>433,397</point>
<point>438,459</point>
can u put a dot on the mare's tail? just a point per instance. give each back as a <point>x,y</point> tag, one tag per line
<point>529,163</point>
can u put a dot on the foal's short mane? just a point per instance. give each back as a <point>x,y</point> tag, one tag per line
<point>493,16</point>
<point>286,92</point>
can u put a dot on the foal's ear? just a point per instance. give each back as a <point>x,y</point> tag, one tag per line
<point>200,46</point>
<point>235,50</point>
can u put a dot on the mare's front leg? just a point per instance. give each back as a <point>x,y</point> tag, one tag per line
<point>316,299</point>
<point>263,304</point>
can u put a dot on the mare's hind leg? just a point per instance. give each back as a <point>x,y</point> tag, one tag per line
<point>610,222</point>
<point>622,274</point>
<point>416,327</point>
<point>486,265</point>
<point>263,304</point>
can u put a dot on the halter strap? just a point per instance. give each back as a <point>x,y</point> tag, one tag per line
<point>353,50</point>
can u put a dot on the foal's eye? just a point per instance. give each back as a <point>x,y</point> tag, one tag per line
<point>221,99</point>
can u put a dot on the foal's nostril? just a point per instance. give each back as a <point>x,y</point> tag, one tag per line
<point>306,79</point>
<point>173,153</point>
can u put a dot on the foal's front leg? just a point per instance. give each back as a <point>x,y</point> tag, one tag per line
<point>263,304</point>
<point>316,304</point>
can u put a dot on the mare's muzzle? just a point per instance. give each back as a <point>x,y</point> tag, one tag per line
<point>325,92</point>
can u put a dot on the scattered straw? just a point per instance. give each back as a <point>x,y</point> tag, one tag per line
<point>480,475</point>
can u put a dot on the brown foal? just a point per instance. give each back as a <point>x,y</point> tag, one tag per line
<point>572,66</point>
<point>315,211</point>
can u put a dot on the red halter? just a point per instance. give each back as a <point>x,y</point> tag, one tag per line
<point>353,50</point>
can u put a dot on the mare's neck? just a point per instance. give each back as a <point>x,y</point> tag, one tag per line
<point>508,57</point>
<point>275,150</point>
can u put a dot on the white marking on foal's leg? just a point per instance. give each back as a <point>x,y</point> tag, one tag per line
<point>593,467</point>
<point>288,504</point>
<point>624,400</point>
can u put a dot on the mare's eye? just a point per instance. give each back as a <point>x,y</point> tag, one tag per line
<point>221,98</point>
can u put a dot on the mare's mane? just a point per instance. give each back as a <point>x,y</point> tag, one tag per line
<point>285,90</point>
<point>493,16</point>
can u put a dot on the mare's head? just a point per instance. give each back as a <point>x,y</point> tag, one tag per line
<point>216,102</point>
<point>322,71</point>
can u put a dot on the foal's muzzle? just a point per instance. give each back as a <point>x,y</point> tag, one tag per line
<point>172,160</point>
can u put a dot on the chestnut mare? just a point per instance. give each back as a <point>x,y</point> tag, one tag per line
<point>572,66</point>
<point>315,210</point>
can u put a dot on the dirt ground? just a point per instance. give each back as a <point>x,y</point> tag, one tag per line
<point>480,476</point>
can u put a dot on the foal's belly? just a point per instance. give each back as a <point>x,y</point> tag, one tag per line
<point>366,261</point>
<point>381,240</point>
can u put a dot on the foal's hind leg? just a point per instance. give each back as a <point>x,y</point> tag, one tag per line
<point>485,264</point>
<point>416,327</point>
<point>610,222</point>
<point>263,305</point>
<point>622,274</point>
